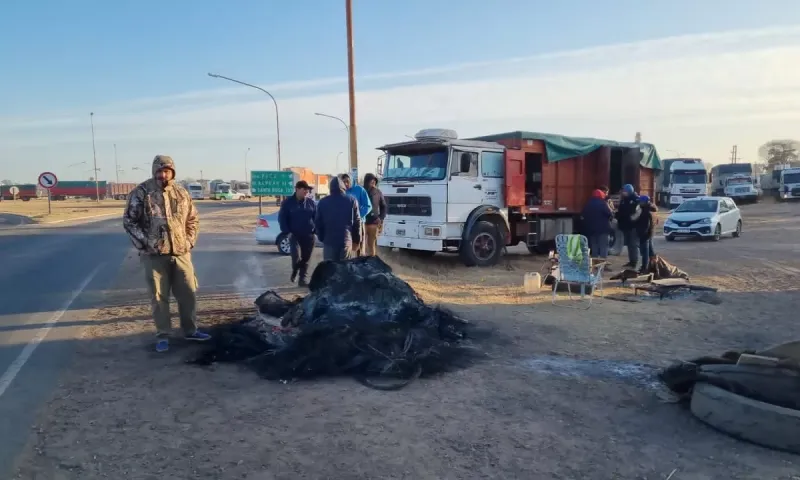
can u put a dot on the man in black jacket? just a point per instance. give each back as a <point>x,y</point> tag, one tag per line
<point>645,226</point>
<point>338,223</point>
<point>374,221</point>
<point>296,218</point>
<point>627,210</point>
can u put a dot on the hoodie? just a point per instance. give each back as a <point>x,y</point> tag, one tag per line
<point>161,219</point>
<point>362,197</point>
<point>338,222</point>
<point>596,215</point>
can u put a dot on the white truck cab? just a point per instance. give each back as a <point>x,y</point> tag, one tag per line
<point>688,179</point>
<point>789,186</point>
<point>435,186</point>
<point>741,187</point>
<point>196,191</point>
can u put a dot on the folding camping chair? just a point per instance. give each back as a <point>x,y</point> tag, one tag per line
<point>578,271</point>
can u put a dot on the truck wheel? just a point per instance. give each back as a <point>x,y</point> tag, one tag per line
<point>482,247</point>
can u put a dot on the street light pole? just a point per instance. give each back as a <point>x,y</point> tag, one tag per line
<point>349,138</point>
<point>94,154</point>
<point>351,87</point>
<point>116,165</point>
<point>245,165</point>
<point>277,117</point>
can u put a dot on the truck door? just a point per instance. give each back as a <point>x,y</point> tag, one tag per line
<point>515,178</point>
<point>464,190</point>
<point>492,175</point>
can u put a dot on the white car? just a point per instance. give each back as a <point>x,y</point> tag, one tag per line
<point>268,232</point>
<point>704,217</point>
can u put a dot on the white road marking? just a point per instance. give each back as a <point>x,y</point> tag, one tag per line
<point>15,367</point>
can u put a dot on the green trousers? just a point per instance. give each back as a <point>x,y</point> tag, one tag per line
<point>165,274</point>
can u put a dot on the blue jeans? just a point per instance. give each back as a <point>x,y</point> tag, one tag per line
<point>646,248</point>
<point>632,242</point>
<point>598,244</point>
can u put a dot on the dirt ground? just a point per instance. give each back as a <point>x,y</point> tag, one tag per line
<point>36,211</point>
<point>565,393</point>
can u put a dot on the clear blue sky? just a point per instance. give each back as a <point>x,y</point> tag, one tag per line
<point>57,55</point>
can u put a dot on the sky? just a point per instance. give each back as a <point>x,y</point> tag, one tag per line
<point>695,77</point>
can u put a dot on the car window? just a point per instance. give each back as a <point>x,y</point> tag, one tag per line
<point>732,204</point>
<point>723,206</point>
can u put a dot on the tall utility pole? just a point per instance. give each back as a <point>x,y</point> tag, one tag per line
<point>116,165</point>
<point>734,152</point>
<point>351,87</point>
<point>94,155</point>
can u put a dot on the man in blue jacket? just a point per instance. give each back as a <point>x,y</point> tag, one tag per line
<point>626,216</point>
<point>364,205</point>
<point>596,224</point>
<point>296,218</point>
<point>338,223</point>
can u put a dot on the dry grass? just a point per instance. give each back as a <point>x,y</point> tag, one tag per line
<point>36,211</point>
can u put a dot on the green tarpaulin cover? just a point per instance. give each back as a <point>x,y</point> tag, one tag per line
<point>560,147</point>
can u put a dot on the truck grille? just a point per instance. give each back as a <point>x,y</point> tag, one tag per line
<point>413,206</point>
<point>795,192</point>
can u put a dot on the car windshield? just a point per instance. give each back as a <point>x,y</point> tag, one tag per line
<point>691,178</point>
<point>698,206</point>
<point>416,163</point>
<point>791,178</point>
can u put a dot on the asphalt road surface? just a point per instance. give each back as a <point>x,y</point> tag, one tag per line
<point>51,278</point>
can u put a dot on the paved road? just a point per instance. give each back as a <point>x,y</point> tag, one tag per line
<point>51,277</point>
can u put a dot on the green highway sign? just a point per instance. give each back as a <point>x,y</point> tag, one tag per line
<point>265,183</point>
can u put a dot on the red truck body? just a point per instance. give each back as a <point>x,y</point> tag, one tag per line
<point>26,192</point>
<point>80,188</point>
<point>120,191</point>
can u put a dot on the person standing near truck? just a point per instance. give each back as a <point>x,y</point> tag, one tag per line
<point>364,207</point>
<point>374,220</point>
<point>597,217</point>
<point>628,207</point>
<point>645,226</point>
<point>296,218</point>
<point>338,223</point>
<point>162,222</point>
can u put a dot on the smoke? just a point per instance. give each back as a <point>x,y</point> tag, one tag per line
<point>252,279</point>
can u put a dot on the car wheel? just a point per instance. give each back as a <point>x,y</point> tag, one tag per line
<point>284,244</point>
<point>670,238</point>
<point>718,233</point>
<point>738,232</point>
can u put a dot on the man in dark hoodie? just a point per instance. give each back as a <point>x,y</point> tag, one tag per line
<point>596,224</point>
<point>296,217</point>
<point>374,220</point>
<point>645,227</point>
<point>627,210</point>
<point>338,223</point>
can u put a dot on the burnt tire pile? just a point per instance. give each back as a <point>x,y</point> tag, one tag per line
<point>756,403</point>
<point>358,320</point>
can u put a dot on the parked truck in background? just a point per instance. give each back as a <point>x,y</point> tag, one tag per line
<point>476,196</point>
<point>741,188</point>
<point>789,184</point>
<point>79,189</point>
<point>196,190</point>
<point>720,174</point>
<point>119,191</point>
<point>320,182</point>
<point>680,180</point>
<point>26,192</point>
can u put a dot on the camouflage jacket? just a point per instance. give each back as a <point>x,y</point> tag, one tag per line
<point>161,222</point>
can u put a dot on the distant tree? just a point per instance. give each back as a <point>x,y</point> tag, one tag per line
<point>6,182</point>
<point>779,152</point>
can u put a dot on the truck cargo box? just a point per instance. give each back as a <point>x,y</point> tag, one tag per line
<point>79,188</point>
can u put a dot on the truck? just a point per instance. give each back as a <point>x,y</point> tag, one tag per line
<point>789,184</point>
<point>320,182</point>
<point>119,191</point>
<point>741,188</point>
<point>242,188</point>
<point>720,174</point>
<point>26,192</point>
<point>79,189</point>
<point>222,191</point>
<point>476,196</point>
<point>196,190</point>
<point>680,180</point>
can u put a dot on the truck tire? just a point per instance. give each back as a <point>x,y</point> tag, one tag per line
<point>482,246</point>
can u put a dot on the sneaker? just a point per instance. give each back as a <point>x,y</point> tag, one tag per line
<point>198,336</point>
<point>162,345</point>
<point>293,277</point>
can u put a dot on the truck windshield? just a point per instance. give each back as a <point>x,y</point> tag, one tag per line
<point>689,177</point>
<point>224,188</point>
<point>196,188</point>
<point>791,178</point>
<point>704,206</point>
<point>416,163</point>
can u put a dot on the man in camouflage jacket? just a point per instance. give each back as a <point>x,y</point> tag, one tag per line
<point>162,222</point>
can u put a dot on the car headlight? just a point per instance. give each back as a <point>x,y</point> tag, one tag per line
<point>705,221</point>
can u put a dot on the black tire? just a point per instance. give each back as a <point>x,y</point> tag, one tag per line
<point>284,244</point>
<point>483,246</point>
<point>670,238</point>
<point>717,233</point>
<point>738,232</point>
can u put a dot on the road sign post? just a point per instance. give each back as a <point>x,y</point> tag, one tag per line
<point>264,183</point>
<point>48,180</point>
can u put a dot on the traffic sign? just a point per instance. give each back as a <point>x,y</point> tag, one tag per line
<point>264,183</point>
<point>48,180</point>
<point>13,191</point>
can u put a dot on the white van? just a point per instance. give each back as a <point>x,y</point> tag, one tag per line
<point>196,191</point>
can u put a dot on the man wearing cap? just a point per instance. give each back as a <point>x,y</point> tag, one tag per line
<point>645,226</point>
<point>626,216</point>
<point>374,221</point>
<point>161,221</point>
<point>296,218</point>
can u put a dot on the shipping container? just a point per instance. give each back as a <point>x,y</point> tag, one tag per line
<point>119,191</point>
<point>79,189</point>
